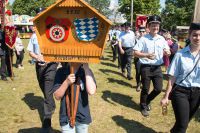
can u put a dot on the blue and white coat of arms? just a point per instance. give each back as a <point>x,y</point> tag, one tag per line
<point>86,29</point>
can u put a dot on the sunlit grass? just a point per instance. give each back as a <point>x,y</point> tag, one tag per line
<point>114,107</point>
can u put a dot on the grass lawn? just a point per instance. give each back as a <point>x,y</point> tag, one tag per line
<point>114,107</point>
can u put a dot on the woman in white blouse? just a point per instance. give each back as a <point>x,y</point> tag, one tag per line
<point>19,50</point>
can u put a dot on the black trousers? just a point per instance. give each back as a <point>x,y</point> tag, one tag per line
<point>171,57</point>
<point>3,66</point>
<point>150,73</point>
<point>45,77</point>
<point>115,51</point>
<point>119,57</point>
<point>126,60</point>
<point>20,57</point>
<point>137,70</point>
<point>185,102</point>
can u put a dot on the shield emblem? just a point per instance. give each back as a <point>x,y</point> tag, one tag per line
<point>86,29</point>
<point>57,30</point>
<point>10,36</point>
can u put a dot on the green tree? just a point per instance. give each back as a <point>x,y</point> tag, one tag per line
<point>177,12</point>
<point>101,6</point>
<point>146,7</point>
<point>29,7</point>
<point>9,6</point>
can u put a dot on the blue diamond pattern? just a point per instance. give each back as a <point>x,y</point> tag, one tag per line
<point>87,33</point>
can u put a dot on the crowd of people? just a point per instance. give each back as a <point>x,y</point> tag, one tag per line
<point>150,51</point>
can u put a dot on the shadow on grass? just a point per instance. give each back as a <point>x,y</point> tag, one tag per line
<point>108,51</point>
<point>34,130</point>
<point>120,98</point>
<point>106,59</point>
<point>109,56</point>
<point>131,126</point>
<point>109,64</point>
<point>106,71</point>
<point>121,82</point>
<point>34,102</point>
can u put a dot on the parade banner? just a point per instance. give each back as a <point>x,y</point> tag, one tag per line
<point>81,41</point>
<point>141,20</point>
<point>10,36</point>
<point>72,31</point>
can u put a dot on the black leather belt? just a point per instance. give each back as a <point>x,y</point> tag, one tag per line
<point>182,88</point>
<point>125,48</point>
<point>49,63</point>
<point>148,65</point>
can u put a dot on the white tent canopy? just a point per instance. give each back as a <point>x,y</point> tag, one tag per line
<point>22,20</point>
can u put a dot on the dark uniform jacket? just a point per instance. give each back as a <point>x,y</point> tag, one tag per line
<point>2,43</point>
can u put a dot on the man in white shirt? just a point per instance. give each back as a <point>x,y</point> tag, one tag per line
<point>126,43</point>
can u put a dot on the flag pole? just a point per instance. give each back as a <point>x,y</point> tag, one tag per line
<point>132,14</point>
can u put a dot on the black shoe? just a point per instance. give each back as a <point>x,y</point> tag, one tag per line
<point>144,112</point>
<point>46,123</point>
<point>4,79</point>
<point>148,107</point>
<point>32,108</point>
<point>129,78</point>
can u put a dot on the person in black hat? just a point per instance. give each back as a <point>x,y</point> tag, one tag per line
<point>150,50</point>
<point>45,72</point>
<point>126,43</point>
<point>142,31</point>
<point>137,64</point>
<point>183,88</point>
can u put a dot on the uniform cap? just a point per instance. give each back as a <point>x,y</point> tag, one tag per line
<point>127,24</point>
<point>122,25</point>
<point>141,28</point>
<point>154,19</point>
<point>195,26</point>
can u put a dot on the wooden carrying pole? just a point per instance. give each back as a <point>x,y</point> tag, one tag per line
<point>10,65</point>
<point>72,119</point>
<point>72,99</point>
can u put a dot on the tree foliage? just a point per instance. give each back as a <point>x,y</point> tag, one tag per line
<point>29,7</point>
<point>177,12</point>
<point>101,6</point>
<point>146,7</point>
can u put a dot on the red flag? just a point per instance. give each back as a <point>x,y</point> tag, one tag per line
<point>141,21</point>
<point>10,36</point>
